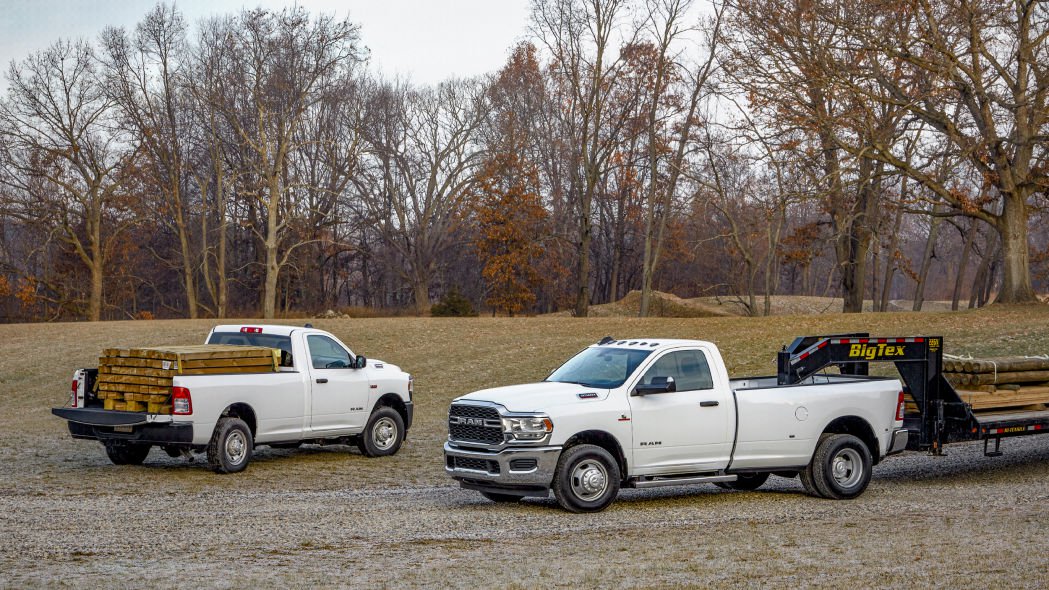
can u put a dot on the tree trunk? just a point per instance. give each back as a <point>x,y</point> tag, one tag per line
<point>582,301</point>
<point>969,236</point>
<point>269,294</point>
<point>1016,273</point>
<point>927,256</point>
<point>890,258</point>
<point>421,288</point>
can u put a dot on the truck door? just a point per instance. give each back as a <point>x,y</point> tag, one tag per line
<point>685,430</point>
<point>339,392</point>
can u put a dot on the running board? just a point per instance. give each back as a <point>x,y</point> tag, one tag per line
<point>662,481</point>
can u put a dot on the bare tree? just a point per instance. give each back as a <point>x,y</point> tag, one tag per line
<point>579,35</point>
<point>276,67</point>
<point>65,162</point>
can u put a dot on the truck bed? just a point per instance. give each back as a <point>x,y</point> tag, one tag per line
<point>770,382</point>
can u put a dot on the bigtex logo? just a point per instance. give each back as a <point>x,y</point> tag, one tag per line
<point>873,351</point>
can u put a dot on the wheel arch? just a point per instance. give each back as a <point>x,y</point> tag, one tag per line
<point>244,412</point>
<point>392,400</point>
<point>602,439</point>
<point>859,428</point>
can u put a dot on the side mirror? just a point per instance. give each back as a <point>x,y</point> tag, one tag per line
<point>360,362</point>
<point>658,385</point>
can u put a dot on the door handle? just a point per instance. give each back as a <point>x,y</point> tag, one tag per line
<point>709,404</point>
<point>322,380</point>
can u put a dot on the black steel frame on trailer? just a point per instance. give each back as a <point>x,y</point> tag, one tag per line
<point>942,417</point>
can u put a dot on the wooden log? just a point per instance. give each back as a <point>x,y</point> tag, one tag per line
<point>1009,377</point>
<point>980,400</point>
<point>1005,365</point>
<point>155,408</point>
<point>134,407</point>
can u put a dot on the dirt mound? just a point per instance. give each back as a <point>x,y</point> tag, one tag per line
<point>662,305</point>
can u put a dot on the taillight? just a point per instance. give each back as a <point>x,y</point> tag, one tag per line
<point>72,397</point>
<point>900,405</point>
<point>182,403</point>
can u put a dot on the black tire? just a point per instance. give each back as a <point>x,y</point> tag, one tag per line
<point>384,433</point>
<point>746,482</point>
<point>501,498</point>
<point>231,446</point>
<point>126,453</point>
<point>586,480</point>
<point>805,476</point>
<point>841,467</point>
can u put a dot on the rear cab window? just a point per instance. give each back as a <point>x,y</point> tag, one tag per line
<point>282,343</point>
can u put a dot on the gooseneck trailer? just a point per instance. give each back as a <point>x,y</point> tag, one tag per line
<point>940,416</point>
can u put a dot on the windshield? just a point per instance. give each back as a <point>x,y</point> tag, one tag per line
<point>606,368</point>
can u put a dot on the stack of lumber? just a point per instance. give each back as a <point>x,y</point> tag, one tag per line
<point>1000,383</point>
<point>140,379</point>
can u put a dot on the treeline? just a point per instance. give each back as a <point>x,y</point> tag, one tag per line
<point>252,165</point>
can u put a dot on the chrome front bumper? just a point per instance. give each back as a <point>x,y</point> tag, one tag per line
<point>527,471</point>
<point>898,443</point>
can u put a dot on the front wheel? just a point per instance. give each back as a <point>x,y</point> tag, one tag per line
<point>126,453</point>
<point>840,468</point>
<point>231,446</point>
<point>383,435</point>
<point>587,479</point>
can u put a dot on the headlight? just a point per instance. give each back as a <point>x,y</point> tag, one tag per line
<point>528,428</point>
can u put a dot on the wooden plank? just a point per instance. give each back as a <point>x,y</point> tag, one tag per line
<point>266,361</point>
<point>155,398</point>
<point>134,407</point>
<point>141,371</point>
<point>228,371</point>
<point>124,388</point>
<point>134,380</point>
<point>1005,399</point>
<point>109,404</point>
<point>155,408</point>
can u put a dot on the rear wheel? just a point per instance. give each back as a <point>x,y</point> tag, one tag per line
<point>383,435</point>
<point>841,467</point>
<point>745,482</point>
<point>231,446</point>
<point>126,453</point>
<point>501,498</point>
<point>587,479</point>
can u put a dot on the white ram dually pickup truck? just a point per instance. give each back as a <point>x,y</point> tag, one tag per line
<point>322,393</point>
<point>655,412</point>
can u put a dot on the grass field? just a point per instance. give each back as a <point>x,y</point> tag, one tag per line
<point>61,500</point>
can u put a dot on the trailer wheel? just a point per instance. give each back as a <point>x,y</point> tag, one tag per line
<point>231,445</point>
<point>126,453</point>
<point>841,467</point>
<point>586,480</point>
<point>745,482</point>
<point>383,435</point>
<point>501,498</point>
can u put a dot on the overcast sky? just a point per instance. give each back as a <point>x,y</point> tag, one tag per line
<point>429,40</point>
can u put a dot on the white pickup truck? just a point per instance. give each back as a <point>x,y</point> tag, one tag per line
<point>322,393</point>
<point>656,412</point>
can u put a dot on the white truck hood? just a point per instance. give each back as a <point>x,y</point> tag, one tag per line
<point>535,397</point>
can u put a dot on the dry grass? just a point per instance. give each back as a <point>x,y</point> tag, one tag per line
<point>47,476</point>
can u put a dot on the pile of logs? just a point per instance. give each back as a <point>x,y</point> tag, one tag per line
<point>1000,383</point>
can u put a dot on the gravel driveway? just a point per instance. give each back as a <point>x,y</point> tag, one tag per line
<point>71,519</point>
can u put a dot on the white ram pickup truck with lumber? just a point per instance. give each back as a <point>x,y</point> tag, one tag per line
<point>249,385</point>
<point>656,412</point>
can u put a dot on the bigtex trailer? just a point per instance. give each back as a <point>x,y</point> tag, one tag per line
<point>938,414</point>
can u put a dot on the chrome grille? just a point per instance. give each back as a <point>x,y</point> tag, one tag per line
<point>477,424</point>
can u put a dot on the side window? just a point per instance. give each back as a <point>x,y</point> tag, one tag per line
<point>326,353</point>
<point>689,369</point>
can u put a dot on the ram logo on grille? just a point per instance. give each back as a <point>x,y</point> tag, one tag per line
<point>467,421</point>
